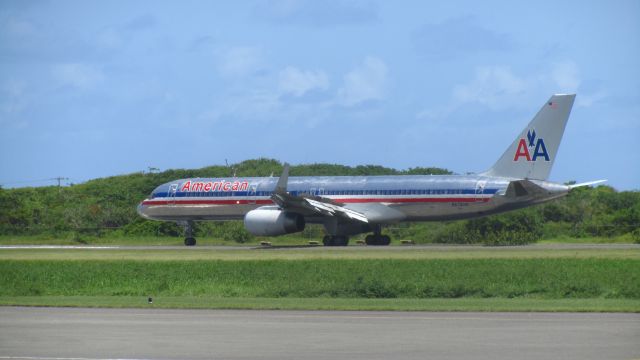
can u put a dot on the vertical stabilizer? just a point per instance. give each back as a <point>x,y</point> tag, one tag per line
<point>532,154</point>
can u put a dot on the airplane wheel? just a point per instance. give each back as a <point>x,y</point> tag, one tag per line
<point>385,240</point>
<point>370,240</point>
<point>327,240</point>
<point>190,241</point>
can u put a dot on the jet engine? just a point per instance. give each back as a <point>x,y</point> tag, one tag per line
<point>272,221</point>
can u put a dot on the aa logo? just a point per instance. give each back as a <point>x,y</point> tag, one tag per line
<point>531,148</point>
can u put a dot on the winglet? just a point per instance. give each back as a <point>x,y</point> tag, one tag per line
<point>281,186</point>
<point>588,183</point>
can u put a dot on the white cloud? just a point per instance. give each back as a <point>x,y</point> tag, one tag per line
<point>497,88</point>
<point>566,76</point>
<point>308,100</point>
<point>240,61</point>
<point>294,81</point>
<point>81,76</point>
<point>366,82</point>
<point>492,86</point>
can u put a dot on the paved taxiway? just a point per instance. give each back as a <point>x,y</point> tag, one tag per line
<point>348,248</point>
<point>65,333</point>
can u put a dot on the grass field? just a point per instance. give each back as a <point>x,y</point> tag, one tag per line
<point>539,278</point>
<point>376,278</point>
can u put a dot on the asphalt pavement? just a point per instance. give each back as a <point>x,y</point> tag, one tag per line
<point>80,333</point>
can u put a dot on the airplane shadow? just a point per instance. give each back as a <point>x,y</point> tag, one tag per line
<point>286,247</point>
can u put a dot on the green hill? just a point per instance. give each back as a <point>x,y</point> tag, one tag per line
<point>106,208</point>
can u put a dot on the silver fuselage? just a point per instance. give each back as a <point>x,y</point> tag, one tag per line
<point>418,197</point>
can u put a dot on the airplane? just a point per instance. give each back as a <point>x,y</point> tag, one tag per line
<point>351,205</point>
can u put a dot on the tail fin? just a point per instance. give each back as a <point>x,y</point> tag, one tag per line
<point>532,154</point>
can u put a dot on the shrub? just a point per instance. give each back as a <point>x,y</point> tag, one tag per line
<point>457,233</point>
<point>234,231</point>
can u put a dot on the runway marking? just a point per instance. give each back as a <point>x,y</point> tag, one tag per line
<point>56,247</point>
<point>60,358</point>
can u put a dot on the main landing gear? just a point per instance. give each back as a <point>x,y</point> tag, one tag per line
<point>377,238</point>
<point>335,240</point>
<point>189,240</point>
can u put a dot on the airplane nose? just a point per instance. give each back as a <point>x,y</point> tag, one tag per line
<point>141,210</point>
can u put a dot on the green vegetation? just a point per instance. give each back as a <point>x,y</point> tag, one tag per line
<point>464,278</point>
<point>320,278</point>
<point>323,253</point>
<point>103,211</point>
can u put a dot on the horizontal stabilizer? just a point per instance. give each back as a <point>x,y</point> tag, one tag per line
<point>588,183</point>
<point>521,188</point>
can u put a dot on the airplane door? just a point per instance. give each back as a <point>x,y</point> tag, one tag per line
<point>480,190</point>
<point>172,194</point>
<point>251,195</point>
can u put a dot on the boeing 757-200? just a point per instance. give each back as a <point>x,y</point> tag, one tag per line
<point>350,205</point>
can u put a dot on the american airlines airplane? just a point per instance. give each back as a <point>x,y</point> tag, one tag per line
<point>350,205</point>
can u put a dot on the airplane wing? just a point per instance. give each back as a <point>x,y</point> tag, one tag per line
<point>336,210</point>
<point>365,213</point>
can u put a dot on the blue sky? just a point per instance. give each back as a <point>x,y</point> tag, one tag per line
<point>91,89</point>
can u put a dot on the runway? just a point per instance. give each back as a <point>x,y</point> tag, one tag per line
<point>76,333</point>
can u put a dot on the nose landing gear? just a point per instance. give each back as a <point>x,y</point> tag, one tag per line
<point>189,240</point>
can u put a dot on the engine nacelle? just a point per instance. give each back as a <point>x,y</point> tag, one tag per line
<point>272,221</point>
